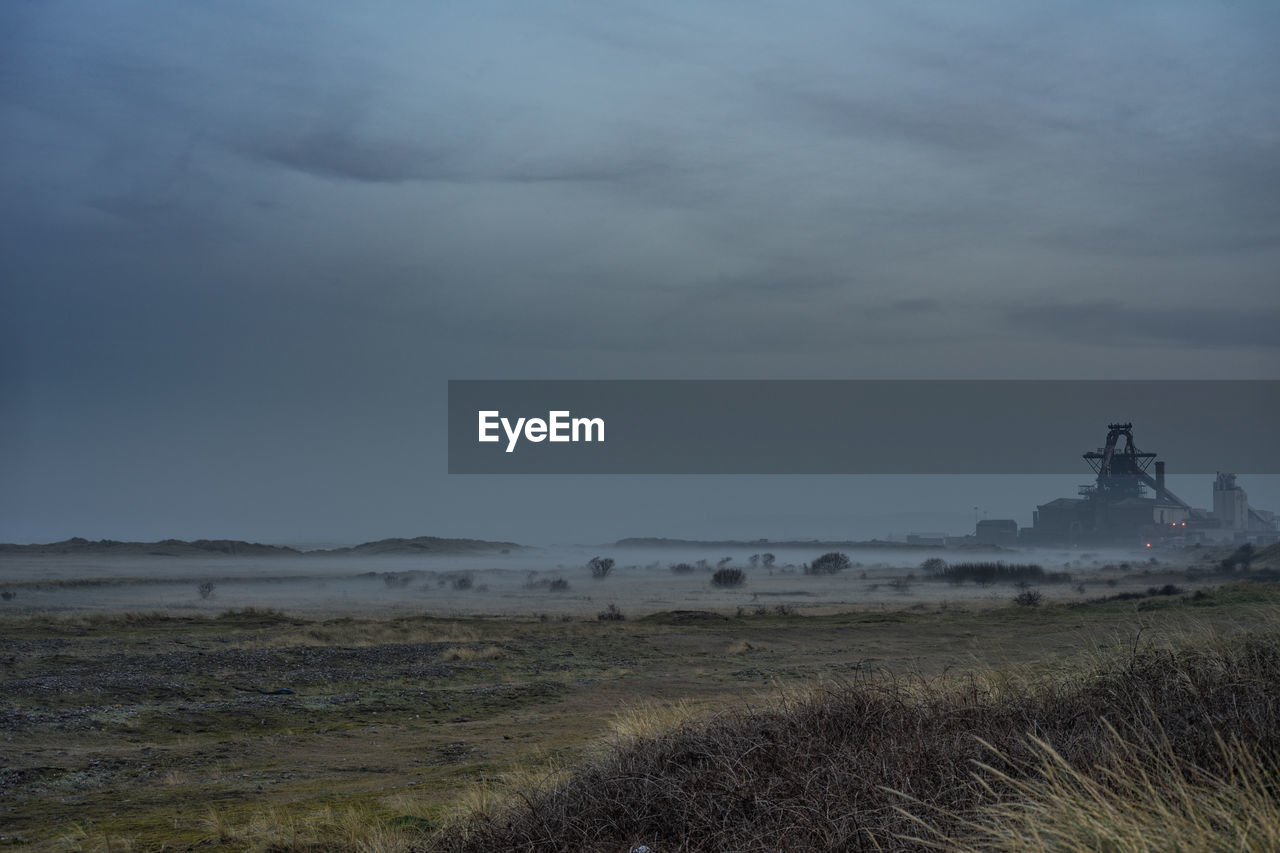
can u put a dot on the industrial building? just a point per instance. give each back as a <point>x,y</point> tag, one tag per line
<point>1126,505</point>
<point>997,531</point>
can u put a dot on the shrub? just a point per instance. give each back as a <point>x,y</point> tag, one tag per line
<point>728,578</point>
<point>988,573</point>
<point>1242,557</point>
<point>205,589</point>
<point>829,564</point>
<point>682,568</point>
<point>549,584</point>
<point>933,566</point>
<point>600,567</point>
<point>611,614</point>
<point>462,582</point>
<point>1028,598</point>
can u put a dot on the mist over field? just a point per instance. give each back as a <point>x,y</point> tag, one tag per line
<point>517,584</point>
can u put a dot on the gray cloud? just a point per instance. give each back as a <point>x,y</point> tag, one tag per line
<point>1113,323</point>
<point>345,154</point>
<point>933,122</point>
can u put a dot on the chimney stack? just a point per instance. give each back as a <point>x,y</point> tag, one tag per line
<point>1160,479</point>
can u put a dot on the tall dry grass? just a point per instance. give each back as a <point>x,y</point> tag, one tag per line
<point>356,827</point>
<point>858,767</point>
<point>1145,800</point>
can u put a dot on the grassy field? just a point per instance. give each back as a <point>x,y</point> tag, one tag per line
<point>256,730</point>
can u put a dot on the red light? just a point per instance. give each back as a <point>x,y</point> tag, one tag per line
<point>1148,544</point>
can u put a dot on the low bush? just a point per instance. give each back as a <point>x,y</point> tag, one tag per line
<point>933,566</point>
<point>989,573</point>
<point>1152,592</point>
<point>1241,558</point>
<point>728,578</point>
<point>535,583</point>
<point>611,614</point>
<point>1028,598</point>
<point>828,564</point>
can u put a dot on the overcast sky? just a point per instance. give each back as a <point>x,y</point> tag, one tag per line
<point>244,245</point>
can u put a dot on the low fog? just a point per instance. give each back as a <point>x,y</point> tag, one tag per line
<point>536,582</point>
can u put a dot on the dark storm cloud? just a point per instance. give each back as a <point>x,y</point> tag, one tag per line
<point>345,154</point>
<point>348,155</point>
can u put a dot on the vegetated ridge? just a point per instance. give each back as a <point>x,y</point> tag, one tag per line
<point>240,548</point>
<point>663,542</point>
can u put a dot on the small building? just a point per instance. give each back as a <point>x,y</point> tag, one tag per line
<point>996,531</point>
<point>1060,521</point>
<point>938,540</point>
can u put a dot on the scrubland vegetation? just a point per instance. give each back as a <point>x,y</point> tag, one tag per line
<point>1121,723</point>
<point>1158,747</point>
<point>995,572</point>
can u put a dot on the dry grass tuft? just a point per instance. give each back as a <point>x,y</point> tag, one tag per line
<point>468,653</point>
<point>648,720</point>
<point>82,840</point>
<point>1147,800</point>
<point>363,633</point>
<point>361,827</point>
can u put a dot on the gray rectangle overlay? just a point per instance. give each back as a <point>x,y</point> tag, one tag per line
<point>866,426</point>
